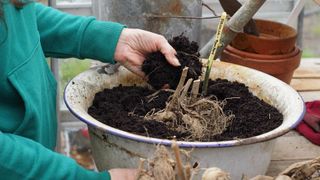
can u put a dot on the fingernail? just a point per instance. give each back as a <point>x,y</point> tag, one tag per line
<point>175,52</point>
<point>176,62</point>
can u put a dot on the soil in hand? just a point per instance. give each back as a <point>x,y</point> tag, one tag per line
<point>160,72</point>
<point>125,108</point>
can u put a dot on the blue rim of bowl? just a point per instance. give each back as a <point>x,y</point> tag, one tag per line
<point>184,144</point>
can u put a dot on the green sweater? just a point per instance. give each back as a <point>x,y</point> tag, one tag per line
<point>28,122</point>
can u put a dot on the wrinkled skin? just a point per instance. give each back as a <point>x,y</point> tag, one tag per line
<point>135,44</point>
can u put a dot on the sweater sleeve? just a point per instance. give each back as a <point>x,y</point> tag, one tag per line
<point>21,158</point>
<point>63,35</point>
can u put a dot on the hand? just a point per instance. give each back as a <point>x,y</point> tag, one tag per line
<point>123,174</point>
<point>135,44</point>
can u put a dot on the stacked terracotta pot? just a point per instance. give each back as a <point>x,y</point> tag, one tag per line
<point>274,51</point>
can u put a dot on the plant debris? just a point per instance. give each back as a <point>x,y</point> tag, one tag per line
<point>203,117</point>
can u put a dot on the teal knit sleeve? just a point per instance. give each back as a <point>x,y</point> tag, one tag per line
<point>22,158</point>
<point>63,35</point>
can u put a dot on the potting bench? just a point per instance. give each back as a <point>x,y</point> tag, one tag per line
<point>293,147</point>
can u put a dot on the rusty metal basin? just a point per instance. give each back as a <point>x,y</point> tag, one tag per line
<point>113,148</point>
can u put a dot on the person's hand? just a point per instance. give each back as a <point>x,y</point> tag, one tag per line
<point>123,174</point>
<point>135,44</point>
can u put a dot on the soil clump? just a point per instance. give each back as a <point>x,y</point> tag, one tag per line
<point>160,72</point>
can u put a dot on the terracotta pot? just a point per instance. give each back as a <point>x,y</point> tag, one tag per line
<point>245,54</point>
<point>282,69</point>
<point>275,38</point>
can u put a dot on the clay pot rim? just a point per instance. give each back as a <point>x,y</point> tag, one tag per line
<point>245,54</point>
<point>294,34</point>
<point>264,61</point>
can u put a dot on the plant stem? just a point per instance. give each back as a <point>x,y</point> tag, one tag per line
<point>215,46</point>
<point>188,171</point>
<point>176,151</point>
<point>140,168</point>
<point>208,7</point>
<point>178,89</point>
<point>195,88</point>
<point>186,88</point>
<point>181,81</point>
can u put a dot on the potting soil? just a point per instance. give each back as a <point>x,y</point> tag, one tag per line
<point>125,107</point>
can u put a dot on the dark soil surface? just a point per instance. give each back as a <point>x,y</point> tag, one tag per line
<point>160,72</point>
<point>125,107</point>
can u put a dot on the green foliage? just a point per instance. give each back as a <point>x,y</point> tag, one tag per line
<point>316,29</point>
<point>307,53</point>
<point>69,68</point>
